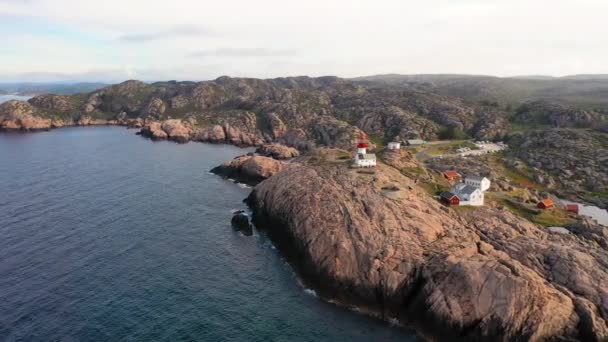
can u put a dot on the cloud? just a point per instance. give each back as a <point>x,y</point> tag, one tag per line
<point>183,31</point>
<point>245,52</point>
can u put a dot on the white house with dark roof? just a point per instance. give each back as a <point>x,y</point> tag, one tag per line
<point>479,182</point>
<point>468,194</point>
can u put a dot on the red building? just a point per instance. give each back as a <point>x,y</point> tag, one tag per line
<point>547,203</point>
<point>573,208</point>
<point>449,198</point>
<point>451,175</point>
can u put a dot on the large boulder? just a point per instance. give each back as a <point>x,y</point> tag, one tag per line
<point>177,130</point>
<point>277,151</point>
<point>154,131</point>
<point>240,222</point>
<point>249,169</point>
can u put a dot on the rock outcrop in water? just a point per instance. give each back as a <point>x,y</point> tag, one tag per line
<point>17,115</point>
<point>377,241</point>
<point>240,222</point>
<point>250,169</point>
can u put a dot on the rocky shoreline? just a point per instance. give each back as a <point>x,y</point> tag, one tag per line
<point>381,244</point>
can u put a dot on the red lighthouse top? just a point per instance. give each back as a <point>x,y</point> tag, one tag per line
<point>362,145</point>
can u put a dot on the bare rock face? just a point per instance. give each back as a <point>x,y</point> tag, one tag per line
<point>89,121</point>
<point>177,130</point>
<point>154,131</point>
<point>277,151</point>
<point>393,121</point>
<point>155,108</point>
<point>249,169</point>
<point>214,134</point>
<point>18,115</point>
<point>240,222</point>
<point>180,131</point>
<point>379,242</point>
<point>179,101</point>
<point>574,161</point>
<point>276,125</point>
<point>55,103</point>
<point>400,159</point>
<point>557,115</point>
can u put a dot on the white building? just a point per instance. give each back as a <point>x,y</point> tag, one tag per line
<point>364,159</point>
<point>469,195</point>
<point>415,142</point>
<point>393,145</point>
<point>481,183</point>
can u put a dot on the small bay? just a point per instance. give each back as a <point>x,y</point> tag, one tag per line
<point>107,236</point>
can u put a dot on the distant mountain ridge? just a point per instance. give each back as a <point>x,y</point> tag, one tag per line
<point>59,88</point>
<point>584,91</point>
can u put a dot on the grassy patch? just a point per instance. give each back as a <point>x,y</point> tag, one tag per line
<point>548,218</point>
<point>413,170</point>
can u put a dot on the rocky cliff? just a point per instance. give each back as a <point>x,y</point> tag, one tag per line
<point>375,240</point>
<point>571,161</point>
<point>298,111</point>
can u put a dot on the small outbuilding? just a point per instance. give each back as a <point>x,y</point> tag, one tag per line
<point>415,142</point>
<point>393,145</point>
<point>449,198</point>
<point>573,208</point>
<point>547,203</point>
<point>451,175</point>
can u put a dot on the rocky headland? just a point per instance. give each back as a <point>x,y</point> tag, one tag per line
<point>249,169</point>
<point>377,241</point>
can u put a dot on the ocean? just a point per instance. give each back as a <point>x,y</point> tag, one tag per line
<point>4,98</point>
<point>107,236</point>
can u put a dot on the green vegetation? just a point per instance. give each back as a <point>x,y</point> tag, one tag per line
<point>452,133</point>
<point>433,188</point>
<point>548,218</point>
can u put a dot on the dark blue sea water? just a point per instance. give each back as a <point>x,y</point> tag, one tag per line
<point>106,236</point>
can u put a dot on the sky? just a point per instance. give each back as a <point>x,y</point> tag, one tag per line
<point>150,40</point>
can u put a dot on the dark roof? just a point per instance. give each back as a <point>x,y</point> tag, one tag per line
<point>447,195</point>
<point>464,189</point>
<point>475,178</point>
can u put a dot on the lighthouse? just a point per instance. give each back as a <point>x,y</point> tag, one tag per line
<point>362,158</point>
<point>362,148</point>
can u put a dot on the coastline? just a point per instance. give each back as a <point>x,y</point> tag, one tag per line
<point>454,264</point>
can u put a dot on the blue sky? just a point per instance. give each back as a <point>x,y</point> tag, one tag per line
<point>50,40</point>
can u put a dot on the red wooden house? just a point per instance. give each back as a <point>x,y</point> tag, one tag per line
<point>451,175</point>
<point>547,203</point>
<point>449,198</point>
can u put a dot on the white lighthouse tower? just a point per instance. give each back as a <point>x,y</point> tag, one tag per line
<point>362,158</point>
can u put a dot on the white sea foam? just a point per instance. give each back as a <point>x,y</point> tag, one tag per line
<point>310,292</point>
<point>394,321</point>
<point>244,186</point>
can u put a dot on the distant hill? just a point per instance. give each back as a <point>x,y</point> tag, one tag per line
<point>61,88</point>
<point>585,91</point>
